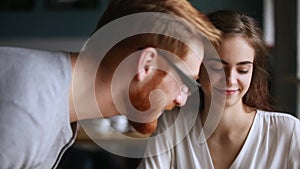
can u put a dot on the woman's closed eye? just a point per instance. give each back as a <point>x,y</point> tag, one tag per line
<point>244,69</point>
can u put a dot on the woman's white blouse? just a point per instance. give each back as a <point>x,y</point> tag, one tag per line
<point>273,142</point>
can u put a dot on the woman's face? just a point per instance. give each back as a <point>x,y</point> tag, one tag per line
<point>236,59</point>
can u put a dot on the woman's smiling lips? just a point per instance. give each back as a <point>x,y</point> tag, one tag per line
<point>227,92</point>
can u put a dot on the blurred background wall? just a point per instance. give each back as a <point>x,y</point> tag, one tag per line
<point>49,24</point>
<point>67,24</point>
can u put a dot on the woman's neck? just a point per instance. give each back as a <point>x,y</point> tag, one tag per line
<point>232,119</point>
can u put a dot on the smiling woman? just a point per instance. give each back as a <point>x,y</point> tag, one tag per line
<point>250,133</point>
<point>237,60</point>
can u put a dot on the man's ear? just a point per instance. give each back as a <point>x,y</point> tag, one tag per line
<point>146,60</point>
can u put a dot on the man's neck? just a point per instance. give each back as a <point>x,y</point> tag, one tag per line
<point>102,95</point>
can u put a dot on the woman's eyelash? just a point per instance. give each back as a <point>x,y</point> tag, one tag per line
<point>243,71</point>
<point>222,68</point>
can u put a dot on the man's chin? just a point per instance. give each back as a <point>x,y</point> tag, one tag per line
<point>144,128</point>
<point>170,107</point>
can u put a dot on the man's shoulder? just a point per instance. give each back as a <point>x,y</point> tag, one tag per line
<point>14,51</point>
<point>28,75</point>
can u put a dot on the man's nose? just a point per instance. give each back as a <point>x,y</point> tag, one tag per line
<point>181,99</point>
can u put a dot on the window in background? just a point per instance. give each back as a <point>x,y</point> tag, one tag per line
<point>268,22</point>
<point>298,55</point>
<point>70,4</point>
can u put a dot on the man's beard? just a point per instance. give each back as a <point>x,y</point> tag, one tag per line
<point>144,128</point>
<point>140,100</point>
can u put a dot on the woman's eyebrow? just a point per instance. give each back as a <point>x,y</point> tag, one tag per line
<point>244,63</point>
<point>226,63</point>
<point>239,63</point>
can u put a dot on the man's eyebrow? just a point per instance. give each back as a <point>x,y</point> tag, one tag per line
<point>213,59</point>
<point>192,84</point>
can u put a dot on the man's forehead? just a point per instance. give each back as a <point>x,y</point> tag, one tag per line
<point>189,65</point>
<point>181,68</point>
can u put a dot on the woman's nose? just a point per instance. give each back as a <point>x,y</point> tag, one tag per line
<point>230,77</point>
